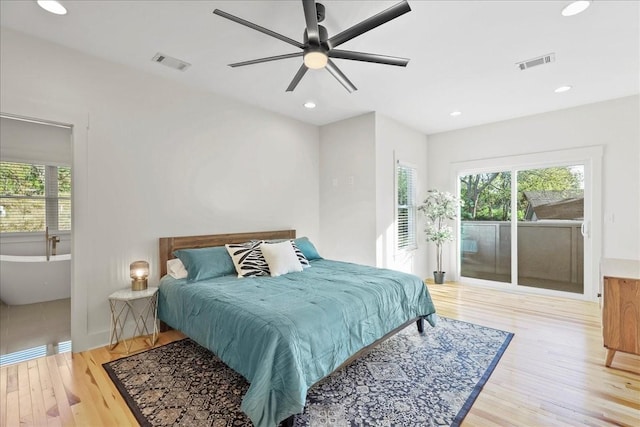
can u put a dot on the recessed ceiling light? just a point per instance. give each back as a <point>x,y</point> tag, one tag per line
<point>52,6</point>
<point>562,89</point>
<point>310,105</point>
<point>455,113</point>
<point>575,8</point>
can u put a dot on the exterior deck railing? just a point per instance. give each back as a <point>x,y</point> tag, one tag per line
<point>550,253</point>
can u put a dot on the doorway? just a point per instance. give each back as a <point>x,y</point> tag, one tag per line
<point>550,228</point>
<point>528,225</point>
<point>35,238</point>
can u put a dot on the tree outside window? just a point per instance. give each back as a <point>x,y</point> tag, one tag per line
<point>487,196</point>
<point>33,197</point>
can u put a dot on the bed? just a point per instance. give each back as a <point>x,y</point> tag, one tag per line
<point>283,334</point>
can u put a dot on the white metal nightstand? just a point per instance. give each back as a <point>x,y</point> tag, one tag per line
<point>122,306</point>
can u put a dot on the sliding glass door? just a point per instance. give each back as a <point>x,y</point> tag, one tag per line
<point>525,227</point>
<point>550,218</point>
<point>485,246</point>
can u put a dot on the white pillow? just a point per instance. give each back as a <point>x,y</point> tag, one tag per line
<point>281,258</point>
<point>175,269</point>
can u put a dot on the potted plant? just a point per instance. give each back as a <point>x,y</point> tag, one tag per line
<point>439,207</point>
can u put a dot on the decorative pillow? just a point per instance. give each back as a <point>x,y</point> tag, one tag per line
<point>247,259</point>
<point>206,263</point>
<point>175,269</point>
<point>307,248</point>
<point>303,260</point>
<point>281,258</point>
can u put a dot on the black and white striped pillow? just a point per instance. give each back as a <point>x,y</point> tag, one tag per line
<point>303,259</point>
<point>248,259</point>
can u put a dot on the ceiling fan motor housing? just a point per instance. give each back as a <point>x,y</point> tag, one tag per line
<point>320,12</point>
<point>322,32</point>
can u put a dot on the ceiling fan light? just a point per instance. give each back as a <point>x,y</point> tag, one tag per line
<point>52,6</point>
<point>315,59</point>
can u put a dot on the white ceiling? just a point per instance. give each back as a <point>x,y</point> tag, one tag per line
<point>463,54</point>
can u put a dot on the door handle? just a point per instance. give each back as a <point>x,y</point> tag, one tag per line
<point>584,230</point>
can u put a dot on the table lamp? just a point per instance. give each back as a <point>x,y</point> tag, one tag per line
<point>139,272</point>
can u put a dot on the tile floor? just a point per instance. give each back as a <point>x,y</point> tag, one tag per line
<point>31,325</point>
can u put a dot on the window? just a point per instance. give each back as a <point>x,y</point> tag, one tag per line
<point>33,197</point>
<point>406,208</point>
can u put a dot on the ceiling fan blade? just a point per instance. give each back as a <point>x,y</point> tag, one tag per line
<point>344,81</point>
<point>310,15</point>
<point>258,28</point>
<point>369,23</point>
<point>368,57</point>
<point>267,59</point>
<point>296,79</point>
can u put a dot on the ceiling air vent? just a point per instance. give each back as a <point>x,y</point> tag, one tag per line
<point>541,60</point>
<point>170,61</point>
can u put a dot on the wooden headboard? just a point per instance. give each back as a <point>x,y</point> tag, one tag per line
<point>170,244</point>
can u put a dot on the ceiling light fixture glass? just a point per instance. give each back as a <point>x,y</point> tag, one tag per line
<point>575,8</point>
<point>455,113</point>
<point>52,6</point>
<point>315,59</point>
<point>562,89</point>
<point>310,105</point>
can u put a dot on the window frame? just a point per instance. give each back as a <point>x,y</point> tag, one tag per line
<point>411,206</point>
<point>591,158</point>
<point>50,197</point>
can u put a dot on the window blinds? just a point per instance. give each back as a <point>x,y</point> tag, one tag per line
<point>29,142</point>
<point>406,206</point>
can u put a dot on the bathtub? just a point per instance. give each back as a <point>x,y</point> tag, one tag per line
<point>31,279</point>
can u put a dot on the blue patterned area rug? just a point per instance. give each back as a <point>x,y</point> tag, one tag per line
<point>411,379</point>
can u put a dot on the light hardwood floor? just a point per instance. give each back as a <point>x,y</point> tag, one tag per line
<point>552,374</point>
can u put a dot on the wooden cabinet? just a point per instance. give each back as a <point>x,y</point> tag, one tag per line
<point>621,309</point>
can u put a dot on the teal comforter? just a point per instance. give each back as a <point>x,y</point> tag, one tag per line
<point>285,333</point>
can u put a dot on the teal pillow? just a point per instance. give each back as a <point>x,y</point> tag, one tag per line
<point>307,248</point>
<point>206,263</point>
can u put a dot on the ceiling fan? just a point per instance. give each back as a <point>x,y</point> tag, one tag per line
<point>318,48</point>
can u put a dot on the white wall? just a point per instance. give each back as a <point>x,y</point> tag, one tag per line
<point>614,124</point>
<point>357,190</point>
<point>152,159</point>
<point>348,190</point>
<point>395,141</point>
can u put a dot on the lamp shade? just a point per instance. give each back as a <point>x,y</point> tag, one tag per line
<point>139,271</point>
